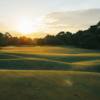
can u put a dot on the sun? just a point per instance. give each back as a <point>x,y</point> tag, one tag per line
<point>27,26</point>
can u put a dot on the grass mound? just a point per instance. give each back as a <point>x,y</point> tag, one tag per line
<point>58,58</point>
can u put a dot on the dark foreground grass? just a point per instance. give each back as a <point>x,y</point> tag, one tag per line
<point>49,85</point>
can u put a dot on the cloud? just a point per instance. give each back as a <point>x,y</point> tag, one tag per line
<point>72,20</point>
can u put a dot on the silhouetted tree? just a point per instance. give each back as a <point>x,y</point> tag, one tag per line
<point>89,38</point>
<point>2,40</point>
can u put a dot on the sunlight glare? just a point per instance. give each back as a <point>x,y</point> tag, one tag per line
<point>27,26</point>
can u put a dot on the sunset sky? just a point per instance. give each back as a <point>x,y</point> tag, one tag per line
<point>49,16</point>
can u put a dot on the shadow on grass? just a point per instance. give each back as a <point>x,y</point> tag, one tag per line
<point>33,64</point>
<point>46,62</point>
<point>66,58</point>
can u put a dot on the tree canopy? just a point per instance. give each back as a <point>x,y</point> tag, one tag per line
<point>89,38</point>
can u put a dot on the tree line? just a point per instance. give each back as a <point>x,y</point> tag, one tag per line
<point>89,38</point>
<point>8,40</point>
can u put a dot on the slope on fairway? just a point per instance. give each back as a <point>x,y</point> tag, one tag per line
<point>59,58</point>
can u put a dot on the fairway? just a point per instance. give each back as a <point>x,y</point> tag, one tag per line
<point>49,85</point>
<point>49,73</point>
<point>50,58</point>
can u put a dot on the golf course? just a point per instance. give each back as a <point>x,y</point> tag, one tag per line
<point>50,58</point>
<point>49,73</point>
<point>49,49</point>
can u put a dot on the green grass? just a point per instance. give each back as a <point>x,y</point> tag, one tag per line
<point>59,58</point>
<point>37,78</point>
<point>49,85</point>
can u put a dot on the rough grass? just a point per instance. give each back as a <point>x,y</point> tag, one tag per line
<point>59,58</point>
<point>49,85</point>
